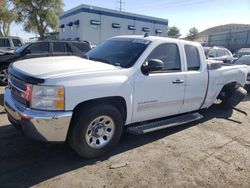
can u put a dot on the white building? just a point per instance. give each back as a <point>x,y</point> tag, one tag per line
<point>95,24</point>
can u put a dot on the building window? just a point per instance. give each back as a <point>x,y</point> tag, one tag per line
<point>158,31</point>
<point>77,23</point>
<point>95,22</point>
<point>131,27</point>
<point>70,24</point>
<point>62,27</point>
<point>145,29</point>
<point>116,25</point>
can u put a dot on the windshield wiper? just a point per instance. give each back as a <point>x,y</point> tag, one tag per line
<point>99,59</point>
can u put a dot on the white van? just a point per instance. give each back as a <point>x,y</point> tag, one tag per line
<point>10,43</point>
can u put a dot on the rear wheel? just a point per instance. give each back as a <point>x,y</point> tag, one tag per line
<point>95,130</point>
<point>3,75</point>
<point>233,98</point>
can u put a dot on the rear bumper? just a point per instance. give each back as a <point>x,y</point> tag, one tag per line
<point>39,125</point>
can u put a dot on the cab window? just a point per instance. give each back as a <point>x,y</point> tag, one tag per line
<point>192,57</point>
<point>39,47</point>
<point>169,55</point>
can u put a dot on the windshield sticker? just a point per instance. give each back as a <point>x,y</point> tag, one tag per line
<point>141,41</point>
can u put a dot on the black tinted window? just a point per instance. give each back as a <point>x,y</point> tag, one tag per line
<point>169,55</point>
<point>59,47</point>
<point>193,58</point>
<point>16,42</point>
<point>4,43</point>
<point>40,47</point>
<point>83,47</point>
<point>68,49</point>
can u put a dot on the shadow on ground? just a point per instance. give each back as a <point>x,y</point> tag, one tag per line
<point>24,162</point>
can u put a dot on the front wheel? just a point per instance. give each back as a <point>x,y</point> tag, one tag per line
<point>3,75</point>
<point>95,130</point>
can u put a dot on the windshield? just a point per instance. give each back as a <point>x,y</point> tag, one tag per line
<point>118,52</point>
<point>21,48</point>
<point>244,60</point>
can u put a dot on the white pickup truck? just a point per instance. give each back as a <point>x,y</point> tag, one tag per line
<point>141,83</point>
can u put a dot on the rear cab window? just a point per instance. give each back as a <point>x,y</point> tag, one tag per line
<point>192,57</point>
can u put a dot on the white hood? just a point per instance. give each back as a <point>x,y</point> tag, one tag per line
<point>56,66</point>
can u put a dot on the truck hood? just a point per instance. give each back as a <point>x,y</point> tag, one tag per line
<point>48,67</point>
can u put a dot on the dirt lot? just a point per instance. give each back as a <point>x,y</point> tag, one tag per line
<point>213,152</point>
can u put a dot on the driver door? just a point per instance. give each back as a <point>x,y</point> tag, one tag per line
<point>160,93</point>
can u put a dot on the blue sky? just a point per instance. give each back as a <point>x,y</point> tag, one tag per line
<point>184,14</point>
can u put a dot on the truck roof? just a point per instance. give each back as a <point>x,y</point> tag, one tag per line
<point>158,39</point>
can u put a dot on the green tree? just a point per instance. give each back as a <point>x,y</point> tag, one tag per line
<point>174,32</point>
<point>38,15</point>
<point>6,18</point>
<point>193,33</point>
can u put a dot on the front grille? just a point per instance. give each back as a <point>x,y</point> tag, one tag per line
<point>16,82</point>
<point>18,88</point>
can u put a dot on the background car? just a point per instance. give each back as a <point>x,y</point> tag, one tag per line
<point>10,43</point>
<point>41,49</point>
<point>245,60</point>
<point>241,52</point>
<point>219,54</point>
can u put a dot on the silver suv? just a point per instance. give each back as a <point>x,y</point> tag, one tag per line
<point>220,54</point>
<point>9,44</point>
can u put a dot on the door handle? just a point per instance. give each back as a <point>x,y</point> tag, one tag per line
<point>178,81</point>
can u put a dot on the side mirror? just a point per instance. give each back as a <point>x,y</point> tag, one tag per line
<point>214,65</point>
<point>152,65</point>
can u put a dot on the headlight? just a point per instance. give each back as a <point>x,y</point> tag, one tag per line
<point>47,98</point>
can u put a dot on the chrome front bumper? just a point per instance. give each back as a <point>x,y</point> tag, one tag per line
<point>39,125</point>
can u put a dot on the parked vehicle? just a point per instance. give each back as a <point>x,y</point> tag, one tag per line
<point>41,49</point>
<point>219,54</point>
<point>245,60</point>
<point>10,43</point>
<point>125,82</point>
<point>241,52</point>
<point>206,49</point>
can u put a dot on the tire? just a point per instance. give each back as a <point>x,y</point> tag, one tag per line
<point>87,128</point>
<point>235,98</point>
<point>3,75</point>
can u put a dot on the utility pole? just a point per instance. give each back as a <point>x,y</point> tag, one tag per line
<point>119,4</point>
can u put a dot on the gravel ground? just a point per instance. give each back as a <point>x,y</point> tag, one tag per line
<point>212,152</point>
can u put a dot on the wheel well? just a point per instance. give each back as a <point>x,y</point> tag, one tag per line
<point>228,88</point>
<point>117,101</point>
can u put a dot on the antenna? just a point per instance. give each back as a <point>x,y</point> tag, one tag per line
<point>119,4</point>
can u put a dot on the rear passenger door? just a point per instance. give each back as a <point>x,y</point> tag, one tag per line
<point>196,79</point>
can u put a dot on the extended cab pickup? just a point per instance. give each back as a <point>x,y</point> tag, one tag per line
<point>141,83</point>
